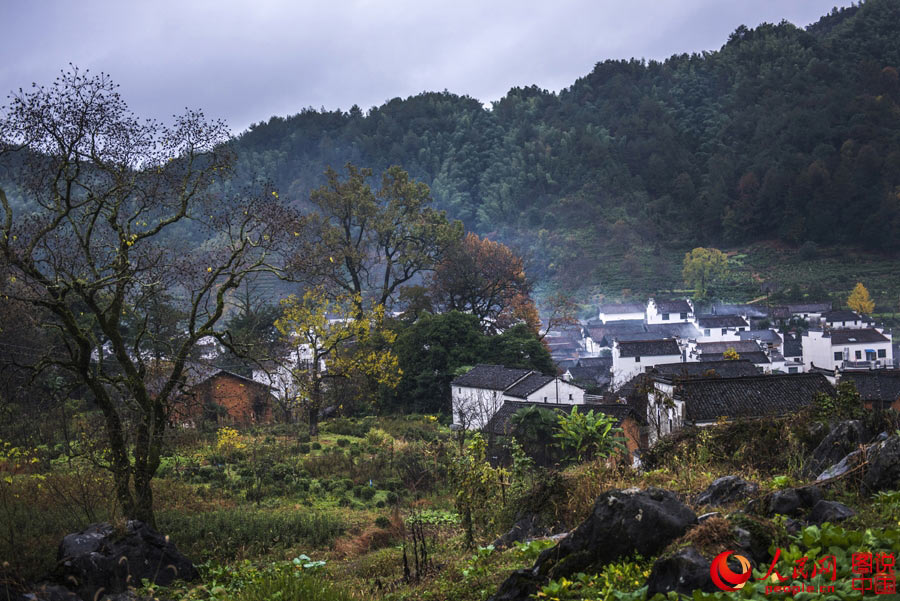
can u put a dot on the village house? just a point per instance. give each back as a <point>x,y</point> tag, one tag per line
<point>793,354</point>
<point>479,393</point>
<point>227,398</point>
<point>878,389</point>
<point>768,338</point>
<point>631,358</point>
<point>621,312</point>
<point>626,418</point>
<point>845,319</point>
<point>749,350</point>
<point>715,328</point>
<point>676,402</point>
<point>847,348</point>
<point>669,311</point>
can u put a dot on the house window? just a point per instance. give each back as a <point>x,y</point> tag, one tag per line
<point>637,359</point>
<point>792,370</point>
<point>545,399</point>
<point>740,329</point>
<point>859,354</point>
<point>570,396</point>
<point>724,331</point>
<point>706,332</point>
<point>882,353</point>
<point>665,316</point>
<point>684,316</point>
<point>838,356</point>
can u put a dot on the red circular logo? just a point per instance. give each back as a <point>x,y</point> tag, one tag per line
<point>723,577</point>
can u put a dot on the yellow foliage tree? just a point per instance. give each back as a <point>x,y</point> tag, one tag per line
<point>702,267</point>
<point>731,354</point>
<point>859,300</point>
<point>330,337</point>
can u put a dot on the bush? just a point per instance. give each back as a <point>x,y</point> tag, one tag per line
<point>303,448</point>
<point>224,533</point>
<point>317,446</point>
<point>367,493</point>
<point>392,498</point>
<point>303,437</point>
<point>343,442</point>
<point>382,521</point>
<point>344,426</point>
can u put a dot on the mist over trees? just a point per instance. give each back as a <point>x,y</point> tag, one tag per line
<point>785,134</point>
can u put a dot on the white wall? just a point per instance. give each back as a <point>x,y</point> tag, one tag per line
<point>625,368</point>
<point>474,407</point>
<point>664,414</point>
<point>608,317</point>
<point>568,394</point>
<point>654,316</point>
<point>819,350</point>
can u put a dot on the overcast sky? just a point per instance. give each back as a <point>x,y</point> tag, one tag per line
<point>246,61</point>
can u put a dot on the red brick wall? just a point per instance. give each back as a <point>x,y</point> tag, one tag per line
<point>244,402</point>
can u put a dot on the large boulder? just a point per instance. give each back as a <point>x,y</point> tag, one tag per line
<point>622,523</point>
<point>829,511</point>
<point>883,472</point>
<point>726,489</point>
<point>844,438</point>
<point>683,572</point>
<point>792,501</point>
<point>99,560</point>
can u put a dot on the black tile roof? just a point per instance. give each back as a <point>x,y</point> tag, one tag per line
<point>528,385</point>
<point>593,375</point>
<point>768,336</point>
<point>648,348</point>
<point>756,357</point>
<point>741,346</point>
<point>842,315</point>
<point>721,321</point>
<point>876,385</point>
<point>748,310</point>
<point>596,362</point>
<point>705,369</point>
<point>673,330</point>
<point>856,336</point>
<point>619,308</point>
<point>490,377</point>
<point>708,399</point>
<point>672,305</point>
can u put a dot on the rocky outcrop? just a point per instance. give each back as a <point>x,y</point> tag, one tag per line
<point>99,561</point>
<point>622,523</point>
<point>792,501</point>
<point>829,511</point>
<point>524,529</point>
<point>844,438</point>
<point>883,471</point>
<point>726,489</point>
<point>684,572</point>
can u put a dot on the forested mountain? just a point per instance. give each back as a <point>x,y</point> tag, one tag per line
<point>785,133</point>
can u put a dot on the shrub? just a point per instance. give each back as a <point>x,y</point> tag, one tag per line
<point>303,448</point>
<point>225,533</point>
<point>343,442</point>
<point>367,493</point>
<point>392,498</point>
<point>317,446</point>
<point>303,437</point>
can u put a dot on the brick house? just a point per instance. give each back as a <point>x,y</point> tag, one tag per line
<point>228,398</point>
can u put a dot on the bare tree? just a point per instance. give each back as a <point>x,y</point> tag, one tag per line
<point>112,212</point>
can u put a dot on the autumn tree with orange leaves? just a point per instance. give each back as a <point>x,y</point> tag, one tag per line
<point>487,279</point>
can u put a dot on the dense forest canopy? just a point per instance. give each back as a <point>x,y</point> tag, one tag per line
<point>785,134</point>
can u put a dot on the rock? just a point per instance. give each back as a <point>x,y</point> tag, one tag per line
<point>809,495</point>
<point>842,467</point>
<point>829,511</point>
<point>726,489</point>
<point>792,526</point>
<point>622,523</point>
<point>684,572</point>
<point>524,529</point>
<point>98,560</point>
<point>785,502</point>
<point>844,438</point>
<point>883,472</point>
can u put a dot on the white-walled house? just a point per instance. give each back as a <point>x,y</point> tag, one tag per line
<point>669,311</point>
<point>479,393</point>
<point>633,357</point>
<point>538,388</point>
<point>621,312</point>
<point>715,328</point>
<point>847,348</point>
<point>845,319</point>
